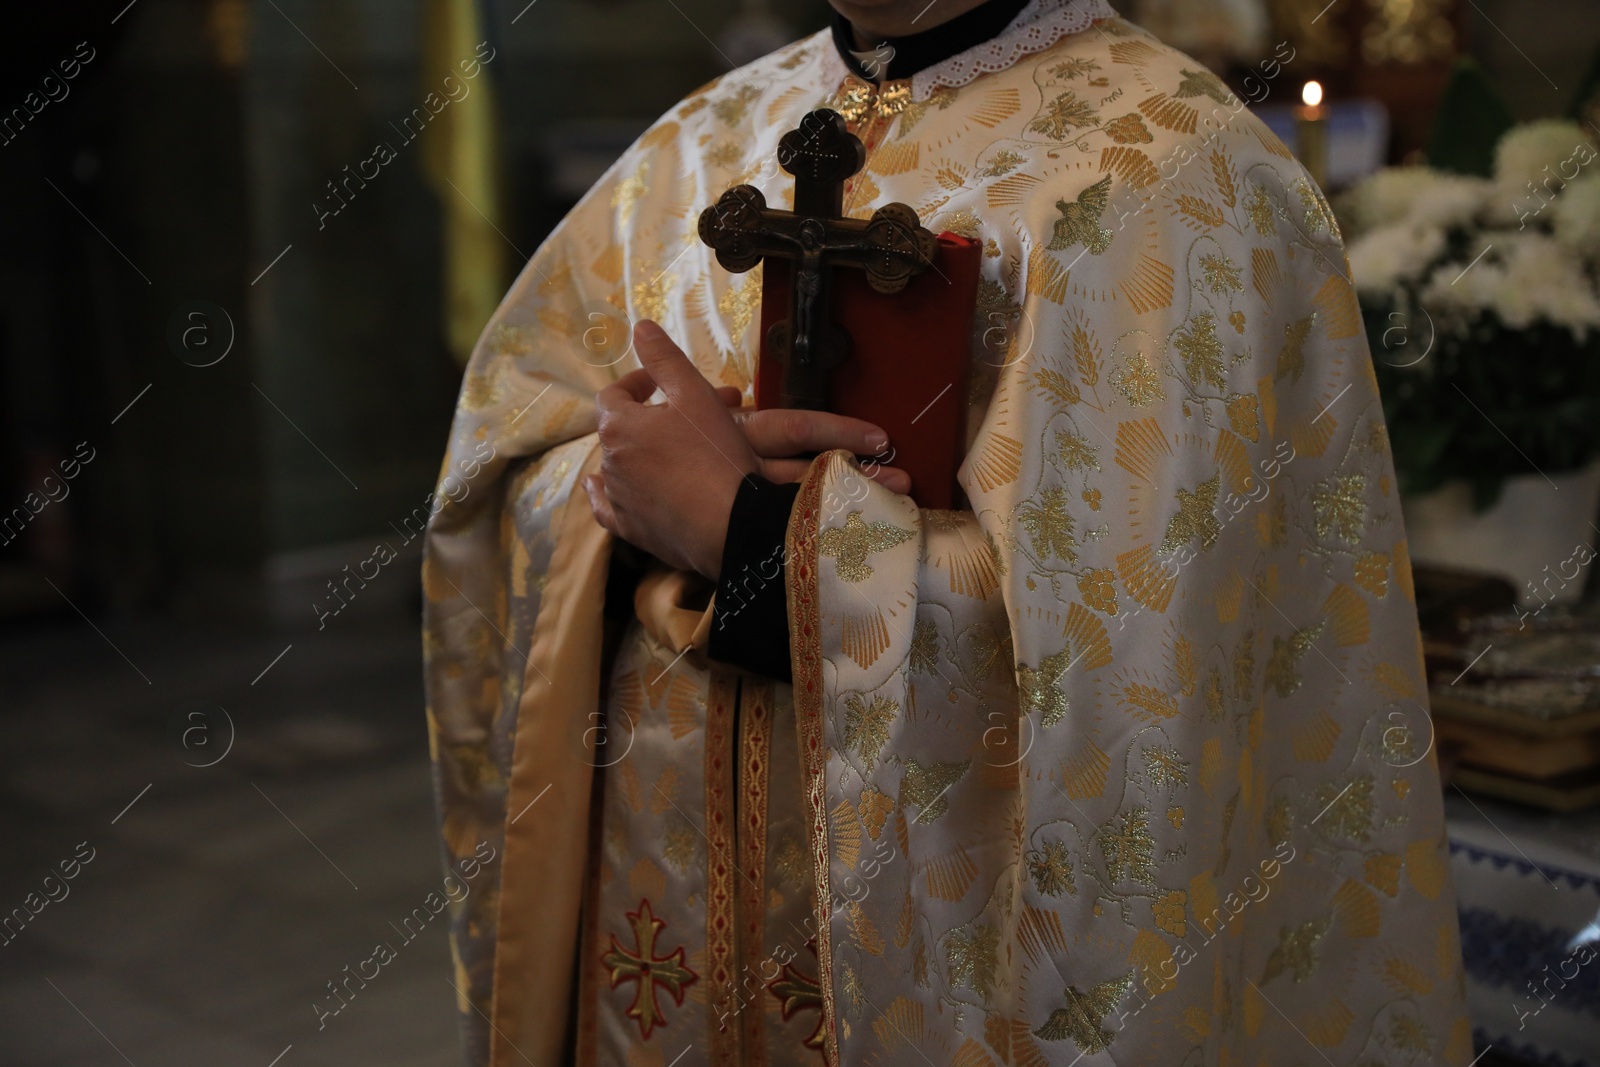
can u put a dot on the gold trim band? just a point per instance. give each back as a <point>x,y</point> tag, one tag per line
<point>721,924</point>
<point>755,749</point>
<point>805,651</point>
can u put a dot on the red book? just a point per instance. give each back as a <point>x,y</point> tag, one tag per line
<point>908,362</point>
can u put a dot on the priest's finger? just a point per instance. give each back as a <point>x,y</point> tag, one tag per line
<point>791,431</point>
<point>595,487</point>
<point>634,387</point>
<point>640,387</point>
<point>891,478</point>
<point>781,471</point>
<point>673,371</point>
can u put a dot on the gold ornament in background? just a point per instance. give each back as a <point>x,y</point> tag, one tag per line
<point>1408,32</point>
<point>228,27</point>
<point>1317,41</point>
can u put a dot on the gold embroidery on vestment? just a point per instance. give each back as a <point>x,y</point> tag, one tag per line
<point>867,726</point>
<point>1080,1018</point>
<point>1050,526</point>
<point>1296,951</point>
<point>643,967</point>
<point>1341,507</point>
<point>1051,870</point>
<point>851,544</point>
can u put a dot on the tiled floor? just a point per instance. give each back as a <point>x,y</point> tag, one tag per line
<point>220,904</point>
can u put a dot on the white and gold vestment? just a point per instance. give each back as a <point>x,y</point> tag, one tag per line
<point>1127,762</point>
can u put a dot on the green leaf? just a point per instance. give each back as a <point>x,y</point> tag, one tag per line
<point>1418,445</point>
<point>1471,120</point>
<point>1486,491</point>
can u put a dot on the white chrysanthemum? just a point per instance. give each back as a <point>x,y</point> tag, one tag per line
<point>1386,197</point>
<point>1454,200</point>
<point>1525,151</point>
<point>1535,171</point>
<point>1382,259</point>
<point>1516,208</point>
<point>1576,217</point>
<point>1525,278</point>
<point>1415,195</point>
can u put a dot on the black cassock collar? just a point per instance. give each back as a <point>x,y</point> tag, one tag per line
<point>919,51</point>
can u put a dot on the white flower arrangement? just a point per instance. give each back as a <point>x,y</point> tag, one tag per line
<point>1391,255</point>
<point>1415,195</point>
<point>1531,277</point>
<point>1482,302</point>
<point>1522,246</point>
<point>1528,151</point>
<point>1575,217</point>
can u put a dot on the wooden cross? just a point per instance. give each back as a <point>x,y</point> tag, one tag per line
<point>643,966</point>
<point>892,247</point>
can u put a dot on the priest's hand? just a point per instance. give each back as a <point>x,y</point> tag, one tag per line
<point>669,471</point>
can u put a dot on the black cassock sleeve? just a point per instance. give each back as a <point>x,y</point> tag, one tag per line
<point>750,623</point>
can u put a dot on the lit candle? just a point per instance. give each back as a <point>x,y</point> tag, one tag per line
<point>1311,133</point>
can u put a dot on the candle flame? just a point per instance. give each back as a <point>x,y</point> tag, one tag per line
<point>1312,94</point>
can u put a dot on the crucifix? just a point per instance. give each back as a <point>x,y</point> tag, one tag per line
<point>891,247</point>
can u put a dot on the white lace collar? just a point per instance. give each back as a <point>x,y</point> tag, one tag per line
<point>1038,26</point>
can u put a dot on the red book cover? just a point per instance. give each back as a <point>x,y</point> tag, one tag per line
<point>908,362</point>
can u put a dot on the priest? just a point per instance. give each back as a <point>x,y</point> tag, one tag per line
<point>1126,759</point>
